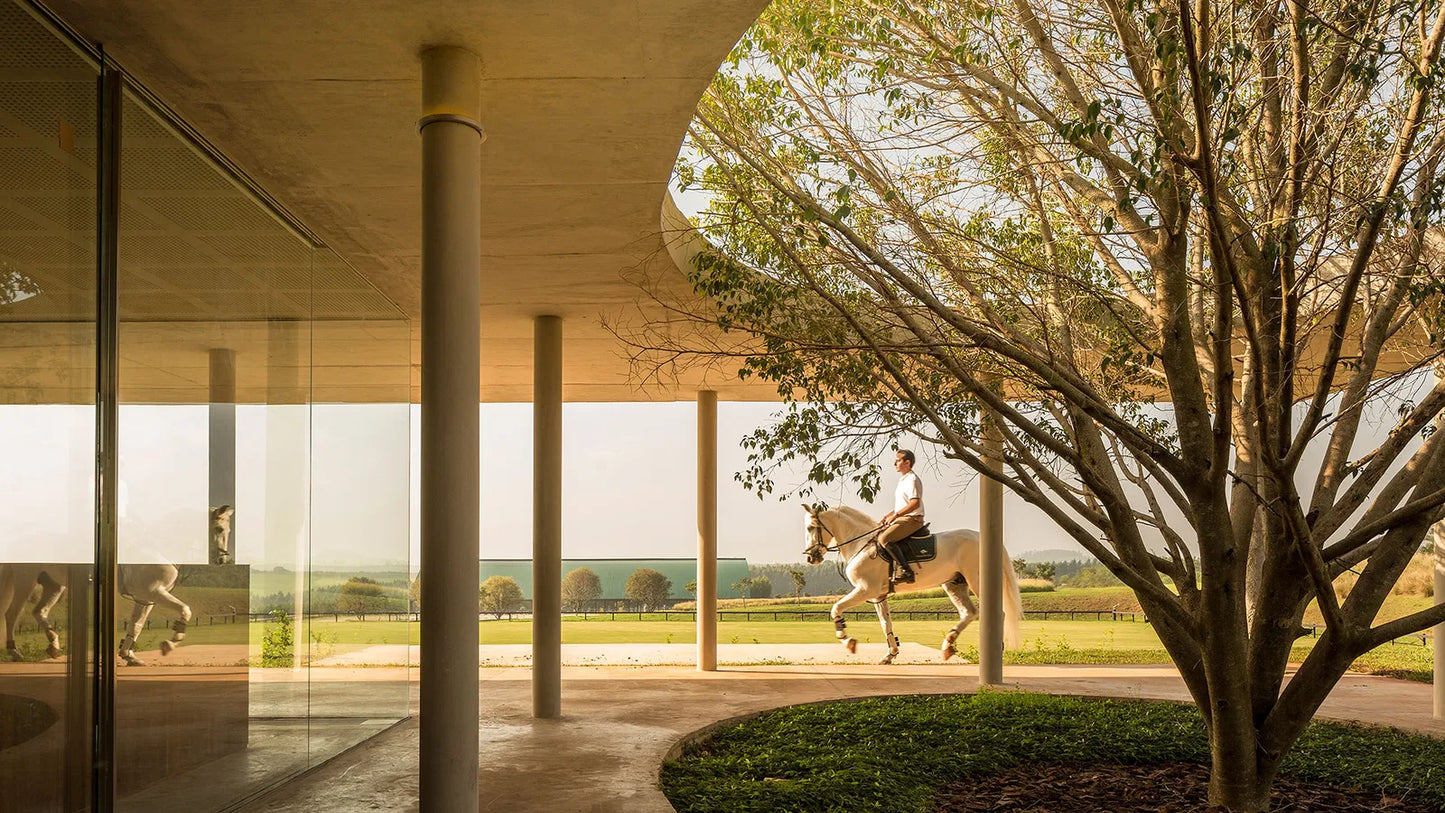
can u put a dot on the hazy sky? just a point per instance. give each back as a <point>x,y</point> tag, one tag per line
<point>628,485</point>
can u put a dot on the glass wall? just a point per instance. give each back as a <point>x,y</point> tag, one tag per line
<point>47,413</point>
<point>262,493</point>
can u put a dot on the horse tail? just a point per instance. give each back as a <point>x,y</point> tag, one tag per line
<point>1013,610</point>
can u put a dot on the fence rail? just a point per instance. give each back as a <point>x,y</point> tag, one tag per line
<point>1413,639</point>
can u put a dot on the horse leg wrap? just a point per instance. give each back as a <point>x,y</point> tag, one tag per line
<point>892,642</point>
<point>840,627</point>
<point>179,627</point>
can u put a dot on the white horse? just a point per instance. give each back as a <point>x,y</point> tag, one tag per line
<point>854,535</point>
<point>146,585</point>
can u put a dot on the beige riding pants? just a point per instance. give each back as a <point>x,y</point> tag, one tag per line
<point>901,528</point>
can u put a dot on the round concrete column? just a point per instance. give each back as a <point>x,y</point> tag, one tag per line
<point>222,447</point>
<point>547,517</point>
<point>1440,628</point>
<point>450,427</point>
<point>706,530</point>
<point>991,562</point>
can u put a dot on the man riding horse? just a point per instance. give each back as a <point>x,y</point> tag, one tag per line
<point>906,516</point>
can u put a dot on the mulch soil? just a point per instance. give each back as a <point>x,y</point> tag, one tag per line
<point>1169,788</point>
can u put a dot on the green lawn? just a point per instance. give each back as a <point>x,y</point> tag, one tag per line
<point>894,753</point>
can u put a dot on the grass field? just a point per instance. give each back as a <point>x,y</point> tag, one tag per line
<point>1052,641</point>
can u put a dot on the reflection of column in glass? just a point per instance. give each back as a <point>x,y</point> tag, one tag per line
<point>706,530</point>
<point>547,518</point>
<point>451,268</point>
<point>287,466</point>
<point>222,546</point>
<point>991,561</point>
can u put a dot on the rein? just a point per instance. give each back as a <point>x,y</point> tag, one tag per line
<point>839,546</point>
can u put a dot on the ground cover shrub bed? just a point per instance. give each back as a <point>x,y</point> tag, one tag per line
<point>917,753</point>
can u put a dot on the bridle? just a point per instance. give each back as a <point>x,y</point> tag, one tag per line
<point>822,549</point>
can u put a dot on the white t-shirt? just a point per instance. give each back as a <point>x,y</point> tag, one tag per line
<point>909,486</point>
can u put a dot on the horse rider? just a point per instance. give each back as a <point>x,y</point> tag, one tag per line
<point>906,516</point>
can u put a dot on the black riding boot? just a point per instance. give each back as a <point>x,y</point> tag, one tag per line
<point>905,575</point>
<point>901,573</point>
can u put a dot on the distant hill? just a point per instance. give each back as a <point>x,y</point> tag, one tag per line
<point>1053,555</point>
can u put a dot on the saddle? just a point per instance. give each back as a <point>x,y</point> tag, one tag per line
<point>920,546</point>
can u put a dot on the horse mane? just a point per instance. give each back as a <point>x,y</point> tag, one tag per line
<point>854,514</point>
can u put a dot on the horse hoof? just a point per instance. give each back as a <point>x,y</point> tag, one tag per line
<point>167,647</point>
<point>131,660</point>
<point>948,652</point>
<point>887,659</point>
<point>852,645</point>
<point>51,652</point>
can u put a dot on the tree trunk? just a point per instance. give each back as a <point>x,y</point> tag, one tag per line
<point>1234,782</point>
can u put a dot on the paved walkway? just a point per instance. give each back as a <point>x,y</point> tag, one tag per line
<point>620,721</point>
<point>644,654</point>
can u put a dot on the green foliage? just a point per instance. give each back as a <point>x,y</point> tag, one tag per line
<point>890,754</point>
<point>1092,576</point>
<point>499,595</point>
<point>278,641</point>
<point>361,594</point>
<point>648,588</point>
<point>580,588</point>
<point>817,580</point>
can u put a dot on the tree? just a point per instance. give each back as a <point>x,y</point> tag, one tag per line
<point>761,587</point>
<point>691,587</point>
<point>414,593</point>
<point>580,588</point>
<point>498,595</point>
<point>1045,570</point>
<point>1021,568</point>
<point>361,595</point>
<point>648,587</point>
<point>1132,260</point>
<point>741,587</point>
<point>800,581</point>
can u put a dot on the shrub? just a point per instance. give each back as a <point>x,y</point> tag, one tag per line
<point>362,595</point>
<point>1035,586</point>
<point>278,640</point>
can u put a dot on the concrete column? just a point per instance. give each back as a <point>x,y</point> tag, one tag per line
<point>222,442</point>
<point>1439,628</point>
<point>706,531</point>
<point>450,426</point>
<point>991,562</point>
<point>547,518</point>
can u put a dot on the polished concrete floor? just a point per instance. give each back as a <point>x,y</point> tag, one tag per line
<point>620,722</point>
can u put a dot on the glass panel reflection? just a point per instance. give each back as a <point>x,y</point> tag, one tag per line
<point>47,414</point>
<point>361,634</point>
<point>214,468</point>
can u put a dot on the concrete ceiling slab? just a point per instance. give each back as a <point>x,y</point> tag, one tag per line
<point>585,104</point>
